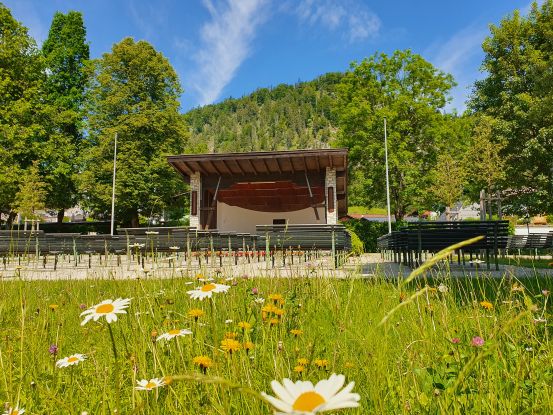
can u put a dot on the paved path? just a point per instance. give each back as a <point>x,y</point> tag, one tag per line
<point>367,266</point>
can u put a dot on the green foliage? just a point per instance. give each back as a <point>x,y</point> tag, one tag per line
<point>134,92</point>
<point>409,92</point>
<point>21,110</point>
<point>448,180</point>
<point>32,193</point>
<point>66,52</point>
<point>284,117</point>
<point>518,93</point>
<point>357,246</point>
<point>369,231</point>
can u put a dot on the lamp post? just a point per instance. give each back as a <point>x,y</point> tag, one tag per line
<point>113,186</point>
<point>387,178</point>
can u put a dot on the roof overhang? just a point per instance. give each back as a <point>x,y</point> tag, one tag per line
<point>245,166</point>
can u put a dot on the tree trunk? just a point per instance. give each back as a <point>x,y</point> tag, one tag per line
<point>61,214</point>
<point>134,220</point>
<point>11,218</point>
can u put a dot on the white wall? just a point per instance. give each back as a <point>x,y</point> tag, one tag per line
<point>523,229</point>
<point>233,218</point>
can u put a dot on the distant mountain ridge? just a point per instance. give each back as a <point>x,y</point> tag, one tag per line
<point>280,118</point>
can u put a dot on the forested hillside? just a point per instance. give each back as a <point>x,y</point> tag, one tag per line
<point>284,117</point>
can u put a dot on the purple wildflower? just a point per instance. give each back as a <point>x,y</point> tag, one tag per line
<point>477,341</point>
<point>456,340</point>
<point>255,291</point>
<point>53,349</point>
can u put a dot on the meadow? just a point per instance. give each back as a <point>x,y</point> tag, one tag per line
<point>446,345</point>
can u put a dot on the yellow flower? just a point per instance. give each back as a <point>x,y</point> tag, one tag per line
<point>230,335</point>
<point>168,380</point>
<point>244,325</point>
<point>196,313</point>
<point>53,307</point>
<point>296,332</point>
<point>276,298</point>
<point>204,362</point>
<point>517,287</point>
<point>269,308</point>
<point>487,305</point>
<point>299,368</point>
<point>321,363</point>
<point>302,361</point>
<point>230,345</point>
<point>248,346</point>
<point>278,312</point>
<point>273,321</point>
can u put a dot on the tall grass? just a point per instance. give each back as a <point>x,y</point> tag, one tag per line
<point>409,364</point>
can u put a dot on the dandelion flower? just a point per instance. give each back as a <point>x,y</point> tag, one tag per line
<point>248,346</point>
<point>299,369</point>
<point>296,332</point>
<point>196,313</point>
<point>320,363</point>
<point>53,307</point>
<point>74,359</point>
<point>171,334</point>
<point>278,312</point>
<point>207,290</point>
<point>148,385</point>
<point>230,345</point>
<point>230,335</point>
<point>486,305</point>
<point>107,308</point>
<point>14,411</point>
<point>204,362</point>
<point>302,361</point>
<point>302,398</point>
<point>273,321</point>
<point>244,325</point>
<point>276,298</point>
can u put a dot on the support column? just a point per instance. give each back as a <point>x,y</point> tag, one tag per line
<point>195,194</point>
<point>330,197</point>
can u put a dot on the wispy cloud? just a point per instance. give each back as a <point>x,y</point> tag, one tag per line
<point>148,18</point>
<point>460,55</point>
<point>225,42</point>
<point>356,20</point>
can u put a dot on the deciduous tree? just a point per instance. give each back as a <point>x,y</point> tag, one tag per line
<point>66,53</point>
<point>134,92</point>
<point>410,93</point>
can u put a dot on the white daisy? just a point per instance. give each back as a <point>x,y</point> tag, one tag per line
<point>108,309</point>
<point>14,411</point>
<point>173,333</point>
<point>443,288</point>
<point>148,385</point>
<point>259,300</point>
<point>74,359</point>
<point>207,290</point>
<point>302,398</point>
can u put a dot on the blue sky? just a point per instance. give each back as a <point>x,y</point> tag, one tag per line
<point>223,48</point>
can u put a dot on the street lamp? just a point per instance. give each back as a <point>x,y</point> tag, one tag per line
<point>113,186</point>
<point>387,178</point>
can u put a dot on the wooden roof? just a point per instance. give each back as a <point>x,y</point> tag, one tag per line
<point>260,162</point>
<point>245,166</point>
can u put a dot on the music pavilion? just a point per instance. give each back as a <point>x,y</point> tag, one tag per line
<point>237,191</point>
